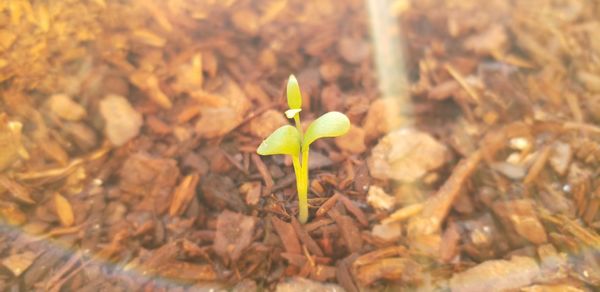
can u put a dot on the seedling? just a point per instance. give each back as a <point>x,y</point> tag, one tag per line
<point>292,141</point>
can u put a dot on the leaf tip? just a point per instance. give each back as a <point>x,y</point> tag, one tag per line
<point>294,97</point>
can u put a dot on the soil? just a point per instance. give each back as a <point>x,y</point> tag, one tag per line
<point>128,136</point>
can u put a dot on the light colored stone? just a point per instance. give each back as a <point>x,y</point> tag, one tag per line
<point>353,141</point>
<point>379,199</point>
<point>560,158</point>
<point>406,155</point>
<point>64,107</point>
<point>496,275</point>
<point>391,231</point>
<point>123,122</point>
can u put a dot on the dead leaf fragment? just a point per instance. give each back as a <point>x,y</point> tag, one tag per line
<point>63,210</point>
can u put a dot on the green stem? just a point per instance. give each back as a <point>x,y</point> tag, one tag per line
<point>302,187</point>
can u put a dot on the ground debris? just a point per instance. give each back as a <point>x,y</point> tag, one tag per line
<point>234,234</point>
<point>406,155</point>
<point>521,215</point>
<point>497,275</point>
<point>18,263</point>
<point>123,122</point>
<point>287,235</point>
<point>183,194</point>
<point>297,284</point>
<point>144,175</point>
<point>395,269</point>
<point>128,148</point>
<point>379,199</point>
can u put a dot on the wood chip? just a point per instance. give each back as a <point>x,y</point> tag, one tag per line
<point>349,230</point>
<point>265,173</point>
<point>17,190</point>
<point>310,243</point>
<point>63,210</point>
<point>183,194</point>
<point>19,262</point>
<point>354,210</point>
<point>287,235</point>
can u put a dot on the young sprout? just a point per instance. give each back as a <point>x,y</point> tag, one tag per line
<point>292,141</point>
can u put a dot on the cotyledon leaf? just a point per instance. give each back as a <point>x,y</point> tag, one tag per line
<point>285,140</point>
<point>294,97</point>
<point>331,124</point>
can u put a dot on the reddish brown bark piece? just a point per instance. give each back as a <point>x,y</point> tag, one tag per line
<point>355,210</point>
<point>310,243</point>
<point>294,259</point>
<point>349,230</point>
<point>344,277</point>
<point>144,175</point>
<point>450,239</point>
<point>183,194</point>
<point>264,172</point>
<point>522,216</point>
<point>18,191</point>
<point>288,236</point>
<point>370,257</point>
<point>322,273</point>
<point>234,234</point>
<point>325,207</point>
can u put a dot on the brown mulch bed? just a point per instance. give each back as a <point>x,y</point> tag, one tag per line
<point>128,135</point>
